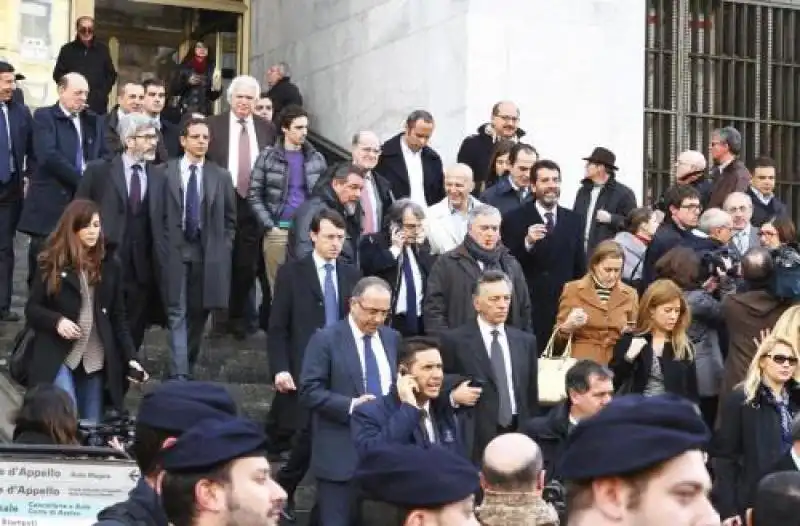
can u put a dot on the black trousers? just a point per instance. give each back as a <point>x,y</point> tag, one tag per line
<point>292,473</point>
<point>137,309</point>
<point>35,246</point>
<point>246,253</point>
<point>9,216</point>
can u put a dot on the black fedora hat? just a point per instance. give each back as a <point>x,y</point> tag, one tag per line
<point>603,156</point>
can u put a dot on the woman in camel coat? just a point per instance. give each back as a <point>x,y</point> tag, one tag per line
<point>596,309</point>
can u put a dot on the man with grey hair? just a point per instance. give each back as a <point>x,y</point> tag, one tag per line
<point>130,223</point>
<point>377,196</point>
<point>503,390</point>
<point>282,91</point>
<point>729,173</point>
<point>411,166</point>
<point>362,347</point>
<point>690,170</point>
<point>237,137</point>
<point>717,225</point>
<point>402,256</point>
<point>448,302</point>
<point>446,221</point>
<point>745,235</point>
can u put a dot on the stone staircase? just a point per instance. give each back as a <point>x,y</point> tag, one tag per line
<point>240,366</point>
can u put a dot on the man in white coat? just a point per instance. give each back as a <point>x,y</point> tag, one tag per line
<point>446,221</point>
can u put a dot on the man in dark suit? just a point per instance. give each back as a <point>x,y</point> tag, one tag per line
<point>346,365</point>
<point>766,204</point>
<point>169,142</point>
<point>195,244</point>
<point>547,240</point>
<point>309,295</point>
<point>123,188</point>
<point>413,168</point>
<point>790,461</point>
<point>498,360</point>
<point>417,411</point>
<point>129,100</point>
<point>66,137</point>
<point>16,157</point>
<point>237,137</point>
<point>729,173</point>
<point>402,257</point>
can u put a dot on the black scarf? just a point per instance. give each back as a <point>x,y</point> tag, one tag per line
<point>491,259</point>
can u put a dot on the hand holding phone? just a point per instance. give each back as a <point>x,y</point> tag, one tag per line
<point>407,388</point>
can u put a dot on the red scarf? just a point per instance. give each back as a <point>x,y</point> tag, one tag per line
<point>199,65</point>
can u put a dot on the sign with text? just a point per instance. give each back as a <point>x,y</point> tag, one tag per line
<point>41,492</point>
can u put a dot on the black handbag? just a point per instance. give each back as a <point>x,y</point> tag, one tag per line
<point>20,358</point>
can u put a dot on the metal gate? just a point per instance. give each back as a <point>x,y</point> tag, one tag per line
<point>713,63</point>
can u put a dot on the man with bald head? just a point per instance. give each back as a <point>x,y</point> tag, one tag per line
<point>512,478</point>
<point>376,196</point>
<point>129,100</point>
<point>476,150</point>
<point>446,221</point>
<point>66,136</point>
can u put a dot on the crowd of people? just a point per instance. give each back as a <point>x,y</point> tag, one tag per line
<point>410,309</point>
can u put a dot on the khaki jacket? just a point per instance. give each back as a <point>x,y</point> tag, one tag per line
<point>596,339</point>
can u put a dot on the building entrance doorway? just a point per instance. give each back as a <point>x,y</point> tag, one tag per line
<point>150,40</point>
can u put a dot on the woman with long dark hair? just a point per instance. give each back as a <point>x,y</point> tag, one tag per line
<point>194,82</point>
<point>47,416</point>
<point>81,340</point>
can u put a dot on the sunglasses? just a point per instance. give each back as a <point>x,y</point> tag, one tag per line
<point>781,359</point>
<point>86,30</point>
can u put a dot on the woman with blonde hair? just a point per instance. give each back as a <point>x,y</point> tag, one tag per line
<point>657,356</point>
<point>595,310</point>
<point>755,424</point>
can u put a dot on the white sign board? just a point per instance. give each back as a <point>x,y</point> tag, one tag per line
<point>41,492</point>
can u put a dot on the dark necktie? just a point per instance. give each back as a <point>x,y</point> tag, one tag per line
<point>372,374</point>
<point>329,294</point>
<point>412,318</point>
<point>522,194</point>
<point>243,176</point>
<point>192,227</point>
<point>79,153</point>
<point>135,192</point>
<point>548,221</point>
<point>504,415</point>
<point>5,145</point>
<point>428,419</point>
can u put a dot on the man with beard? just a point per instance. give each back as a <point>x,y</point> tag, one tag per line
<point>547,240</point>
<point>122,186</point>
<point>217,474</point>
<point>342,194</point>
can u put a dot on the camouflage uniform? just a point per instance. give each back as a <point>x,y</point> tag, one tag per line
<point>516,509</point>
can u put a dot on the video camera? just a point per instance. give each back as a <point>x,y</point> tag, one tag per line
<point>115,425</point>
<point>555,493</point>
<point>712,263</point>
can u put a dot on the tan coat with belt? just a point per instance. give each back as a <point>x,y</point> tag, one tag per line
<point>606,321</point>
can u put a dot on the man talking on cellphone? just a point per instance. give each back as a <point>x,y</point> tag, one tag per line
<point>417,411</point>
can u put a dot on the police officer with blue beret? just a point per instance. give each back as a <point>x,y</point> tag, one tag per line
<point>639,461</point>
<point>217,473</point>
<point>424,486</point>
<point>166,412</point>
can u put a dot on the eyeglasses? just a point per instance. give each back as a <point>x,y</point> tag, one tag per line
<point>379,313</point>
<point>86,30</point>
<point>737,209</point>
<point>782,359</point>
<point>147,137</point>
<point>767,233</point>
<point>365,149</point>
<point>508,118</point>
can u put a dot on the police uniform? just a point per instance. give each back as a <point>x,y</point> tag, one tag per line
<point>631,434</point>
<point>174,407</point>
<point>411,477</point>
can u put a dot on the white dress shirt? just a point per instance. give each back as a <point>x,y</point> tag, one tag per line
<point>76,122</point>
<point>400,308</point>
<point>235,131</point>
<point>741,239</point>
<point>185,174</point>
<point>319,264</point>
<point>4,111</point>
<point>486,334</point>
<point>380,356</point>
<point>795,458</point>
<point>416,176</point>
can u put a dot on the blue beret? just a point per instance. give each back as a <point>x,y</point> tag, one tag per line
<point>177,406</point>
<point>416,477</point>
<point>214,442</point>
<point>630,434</point>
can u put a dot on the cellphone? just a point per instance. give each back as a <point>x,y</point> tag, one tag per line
<point>476,383</point>
<point>403,369</point>
<point>136,374</point>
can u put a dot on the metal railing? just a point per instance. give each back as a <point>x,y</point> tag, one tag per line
<point>332,152</point>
